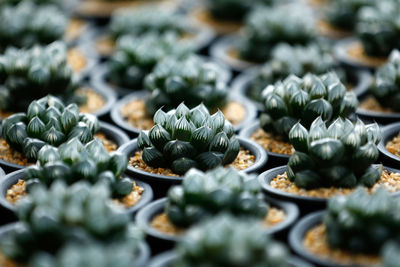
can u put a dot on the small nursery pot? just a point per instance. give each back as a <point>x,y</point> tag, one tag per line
<point>99,77</point>
<point>141,259</point>
<point>167,259</point>
<point>161,183</point>
<point>274,159</point>
<point>147,214</point>
<point>12,178</point>
<point>344,51</point>
<point>241,84</point>
<point>112,132</point>
<point>388,133</point>
<point>306,203</point>
<point>297,234</point>
<point>225,50</point>
<point>251,112</point>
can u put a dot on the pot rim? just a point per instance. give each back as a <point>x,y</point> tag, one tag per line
<point>388,132</point>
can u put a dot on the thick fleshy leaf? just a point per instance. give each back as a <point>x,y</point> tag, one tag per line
<point>373,133</point>
<point>300,161</point>
<point>182,165</point>
<point>229,129</point>
<point>365,156</point>
<point>349,104</point>
<point>122,187</point>
<point>298,101</point>
<point>232,151</point>
<point>35,110</point>
<point>198,117</point>
<point>275,106</point>
<point>201,137</point>
<point>70,152</point>
<point>182,111</point>
<point>326,151</point>
<point>11,120</point>
<point>298,137</point>
<point>118,163</point>
<point>31,147</point>
<point>97,151</point>
<point>91,121</point>
<point>371,175</point>
<point>16,135</point>
<point>307,179</point>
<point>178,149</point>
<point>160,117</point>
<point>82,132</point>
<point>182,130</point>
<point>219,143</point>
<point>53,137</point>
<point>48,154</point>
<point>85,169</point>
<point>53,122</point>
<point>316,108</point>
<point>69,119</point>
<point>336,93</point>
<point>56,171</point>
<point>317,89</point>
<point>159,136</point>
<point>152,157</point>
<point>283,125</point>
<point>209,160</point>
<point>51,112</point>
<point>361,130</point>
<point>335,130</point>
<point>35,127</point>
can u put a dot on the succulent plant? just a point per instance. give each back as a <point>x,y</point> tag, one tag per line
<point>297,60</point>
<point>26,25</point>
<point>343,13</point>
<point>203,195</point>
<point>238,9</point>
<point>73,161</point>
<point>54,219</point>
<point>295,99</point>
<point>47,122</point>
<point>378,29</point>
<point>28,74</point>
<point>138,21</point>
<point>340,155</point>
<point>361,222</point>
<point>227,241</point>
<point>386,85</point>
<point>136,57</point>
<point>266,27</point>
<point>391,254</point>
<point>182,139</point>
<point>191,79</point>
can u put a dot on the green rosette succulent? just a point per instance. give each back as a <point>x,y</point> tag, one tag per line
<point>26,24</point>
<point>297,60</point>
<point>28,74</point>
<point>338,156</point>
<point>202,195</point>
<point>391,254</point>
<point>305,99</point>
<point>362,223</point>
<point>136,57</point>
<point>228,241</point>
<point>82,215</point>
<point>47,122</point>
<point>183,139</point>
<point>190,79</point>
<point>139,21</point>
<point>378,28</point>
<point>73,162</point>
<point>267,27</point>
<point>238,9</point>
<point>386,85</point>
<point>343,13</point>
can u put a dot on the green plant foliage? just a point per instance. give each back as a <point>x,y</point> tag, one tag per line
<point>391,254</point>
<point>136,57</point>
<point>26,25</point>
<point>238,9</point>
<point>190,79</point>
<point>228,241</point>
<point>362,222</point>
<point>343,13</point>
<point>28,74</point>
<point>182,139</point>
<point>305,99</point>
<point>58,220</point>
<point>47,122</point>
<point>202,195</point>
<point>386,85</point>
<point>73,161</point>
<point>138,21</point>
<point>340,155</point>
<point>266,27</point>
<point>378,28</point>
<point>297,60</point>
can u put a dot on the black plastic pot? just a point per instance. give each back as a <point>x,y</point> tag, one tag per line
<point>12,178</point>
<point>388,133</point>
<point>141,259</point>
<point>99,77</point>
<point>371,116</point>
<point>167,259</point>
<point>305,203</point>
<point>111,132</point>
<point>161,183</point>
<point>296,237</point>
<point>341,53</point>
<point>241,84</point>
<point>251,112</point>
<point>274,159</point>
<point>221,51</point>
<point>147,214</point>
